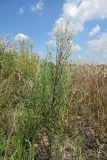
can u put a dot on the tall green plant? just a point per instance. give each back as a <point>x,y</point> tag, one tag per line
<point>50,93</point>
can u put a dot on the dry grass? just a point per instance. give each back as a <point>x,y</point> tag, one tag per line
<point>87,114</point>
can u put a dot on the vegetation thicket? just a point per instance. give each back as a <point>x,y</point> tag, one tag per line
<point>51,109</point>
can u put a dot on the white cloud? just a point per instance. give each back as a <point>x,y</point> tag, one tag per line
<point>76,48</point>
<point>98,45</point>
<point>37,7</point>
<point>21,37</point>
<point>21,11</point>
<point>51,43</point>
<point>86,10</point>
<point>95,30</point>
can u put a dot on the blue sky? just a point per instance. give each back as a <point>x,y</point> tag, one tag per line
<point>36,19</point>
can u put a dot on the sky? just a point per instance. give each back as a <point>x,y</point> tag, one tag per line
<point>37,20</point>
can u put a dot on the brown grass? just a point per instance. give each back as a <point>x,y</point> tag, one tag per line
<point>87,113</point>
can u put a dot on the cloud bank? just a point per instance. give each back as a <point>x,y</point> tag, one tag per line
<point>82,11</point>
<point>98,45</point>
